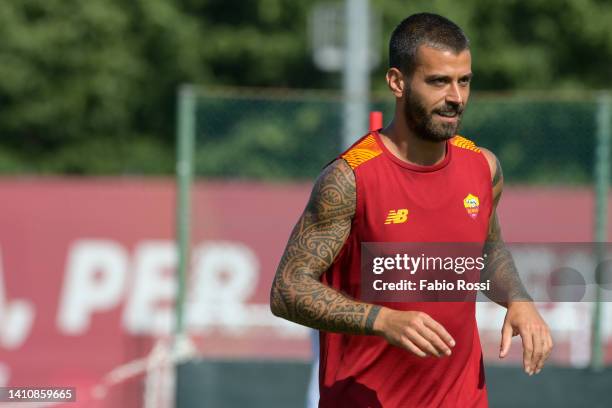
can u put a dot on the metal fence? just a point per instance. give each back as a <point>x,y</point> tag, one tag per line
<point>288,135</point>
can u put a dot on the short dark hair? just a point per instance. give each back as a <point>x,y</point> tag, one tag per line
<point>423,29</point>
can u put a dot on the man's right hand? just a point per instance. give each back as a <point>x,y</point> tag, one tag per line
<point>416,332</point>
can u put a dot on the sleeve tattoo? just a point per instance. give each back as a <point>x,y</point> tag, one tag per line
<point>297,294</point>
<point>500,269</point>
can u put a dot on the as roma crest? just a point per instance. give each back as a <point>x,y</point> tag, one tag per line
<point>472,205</point>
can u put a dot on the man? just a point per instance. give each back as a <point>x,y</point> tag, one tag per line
<point>419,173</point>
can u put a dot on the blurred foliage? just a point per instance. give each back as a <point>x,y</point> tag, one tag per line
<point>88,87</point>
<point>276,137</point>
<point>518,44</point>
<point>538,141</point>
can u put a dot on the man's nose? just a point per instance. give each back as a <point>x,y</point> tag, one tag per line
<point>454,96</point>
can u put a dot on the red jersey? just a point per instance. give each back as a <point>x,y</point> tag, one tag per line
<point>366,371</point>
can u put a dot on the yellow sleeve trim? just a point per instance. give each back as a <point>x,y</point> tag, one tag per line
<point>464,143</point>
<point>362,152</point>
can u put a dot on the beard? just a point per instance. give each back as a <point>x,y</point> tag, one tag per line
<point>423,124</point>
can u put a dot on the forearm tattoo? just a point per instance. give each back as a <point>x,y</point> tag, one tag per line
<point>498,178</point>
<point>297,294</point>
<point>500,269</point>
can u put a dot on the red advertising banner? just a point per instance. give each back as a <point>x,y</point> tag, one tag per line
<point>87,281</point>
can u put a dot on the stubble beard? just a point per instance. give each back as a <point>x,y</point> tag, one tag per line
<point>422,122</point>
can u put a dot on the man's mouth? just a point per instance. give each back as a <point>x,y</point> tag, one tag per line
<point>448,116</point>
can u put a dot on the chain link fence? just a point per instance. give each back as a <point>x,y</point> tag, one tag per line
<point>291,135</point>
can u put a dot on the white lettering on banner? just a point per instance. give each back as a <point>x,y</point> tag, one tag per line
<point>96,276</point>
<point>5,374</point>
<point>225,274</point>
<point>154,284</point>
<point>16,318</point>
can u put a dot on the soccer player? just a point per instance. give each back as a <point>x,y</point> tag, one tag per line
<point>408,182</point>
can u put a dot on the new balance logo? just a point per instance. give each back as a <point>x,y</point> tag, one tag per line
<point>397,216</point>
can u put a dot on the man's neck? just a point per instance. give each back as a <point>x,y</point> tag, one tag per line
<point>406,146</point>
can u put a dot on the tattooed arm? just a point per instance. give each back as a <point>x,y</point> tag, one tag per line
<point>299,296</point>
<point>506,285</point>
<point>522,318</point>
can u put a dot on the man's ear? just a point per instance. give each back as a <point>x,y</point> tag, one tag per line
<point>396,82</point>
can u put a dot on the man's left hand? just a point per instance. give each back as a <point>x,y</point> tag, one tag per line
<point>523,319</point>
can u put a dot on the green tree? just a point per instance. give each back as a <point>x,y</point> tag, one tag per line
<point>89,87</point>
<point>517,44</point>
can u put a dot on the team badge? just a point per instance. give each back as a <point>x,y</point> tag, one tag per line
<point>472,205</point>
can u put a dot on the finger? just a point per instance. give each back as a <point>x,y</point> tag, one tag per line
<point>421,342</point>
<point>440,331</point>
<point>538,350</point>
<point>506,340</point>
<point>543,340</point>
<point>436,341</point>
<point>527,349</point>
<point>410,346</point>
<point>548,345</point>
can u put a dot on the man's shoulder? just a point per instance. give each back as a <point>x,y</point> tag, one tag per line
<point>362,151</point>
<point>466,144</point>
<point>493,162</point>
<point>333,195</point>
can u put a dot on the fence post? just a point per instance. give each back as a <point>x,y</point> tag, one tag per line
<point>356,71</point>
<point>602,180</point>
<point>185,132</point>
